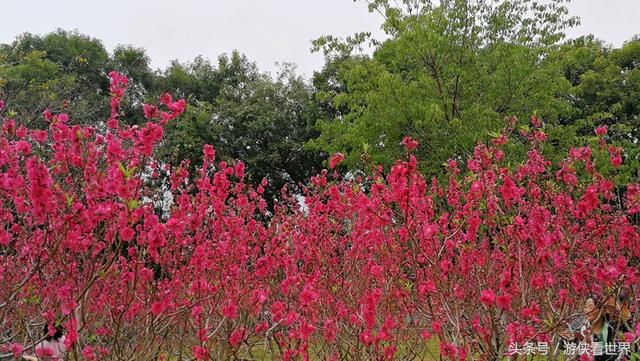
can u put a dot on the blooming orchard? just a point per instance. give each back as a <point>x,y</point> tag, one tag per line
<point>373,267</point>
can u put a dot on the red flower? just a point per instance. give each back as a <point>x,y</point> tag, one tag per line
<point>63,118</point>
<point>535,121</point>
<point>532,312</point>
<point>236,336</point>
<point>238,169</point>
<point>504,301</point>
<point>436,326</point>
<point>616,160</point>
<point>230,310</point>
<point>157,307</point>
<point>15,349</point>
<point>126,233</point>
<point>487,297</point>
<point>39,136</point>
<point>633,198</point>
<point>335,160</point>
<point>166,98</point>
<point>425,287</point>
<point>209,152</point>
<point>72,333</point>
<point>87,352</point>
<point>615,156</point>
<point>177,107</point>
<point>5,237</point>
<point>330,330</point>
<point>200,353</point>
<point>509,190</point>
<point>409,143</point>
<point>40,188</point>
<point>308,296</point>
<point>150,111</point>
<point>112,123</point>
<point>602,130</point>
<point>45,353</point>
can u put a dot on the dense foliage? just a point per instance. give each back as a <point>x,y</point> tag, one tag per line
<point>262,119</point>
<point>369,267</point>
<point>447,73</point>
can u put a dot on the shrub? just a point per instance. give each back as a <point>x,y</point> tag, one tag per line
<point>141,260</point>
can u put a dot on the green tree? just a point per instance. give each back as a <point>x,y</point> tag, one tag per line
<point>197,80</point>
<point>136,65</point>
<point>246,115</point>
<point>605,91</point>
<point>448,74</point>
<point>61,71</point>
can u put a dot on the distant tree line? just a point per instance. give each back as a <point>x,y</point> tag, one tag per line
<point>447,74</point>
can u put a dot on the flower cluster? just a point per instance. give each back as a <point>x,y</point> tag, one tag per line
<point>371,267</point>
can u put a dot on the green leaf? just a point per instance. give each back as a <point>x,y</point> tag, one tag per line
<point>132,204</point>
<point>69,200</point>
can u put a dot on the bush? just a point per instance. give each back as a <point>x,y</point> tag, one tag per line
<point>141,260</point>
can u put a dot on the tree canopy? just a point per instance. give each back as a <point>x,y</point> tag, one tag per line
<point>447,73</point>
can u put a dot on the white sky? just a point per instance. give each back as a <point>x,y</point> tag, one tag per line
<point>267,31</point>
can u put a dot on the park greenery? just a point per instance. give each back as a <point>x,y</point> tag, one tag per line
<point>213,211</point>
<point>447,74</point>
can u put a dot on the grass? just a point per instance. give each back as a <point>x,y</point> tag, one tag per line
<point>430,352</point>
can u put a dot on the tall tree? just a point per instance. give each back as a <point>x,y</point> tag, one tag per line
<point>246,115</point>
<point>448,74</point>
<point>605,91</point>
<point>60,71</point>
<point>136,65</point>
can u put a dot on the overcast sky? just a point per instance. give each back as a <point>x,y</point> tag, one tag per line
<point>267,31</point>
